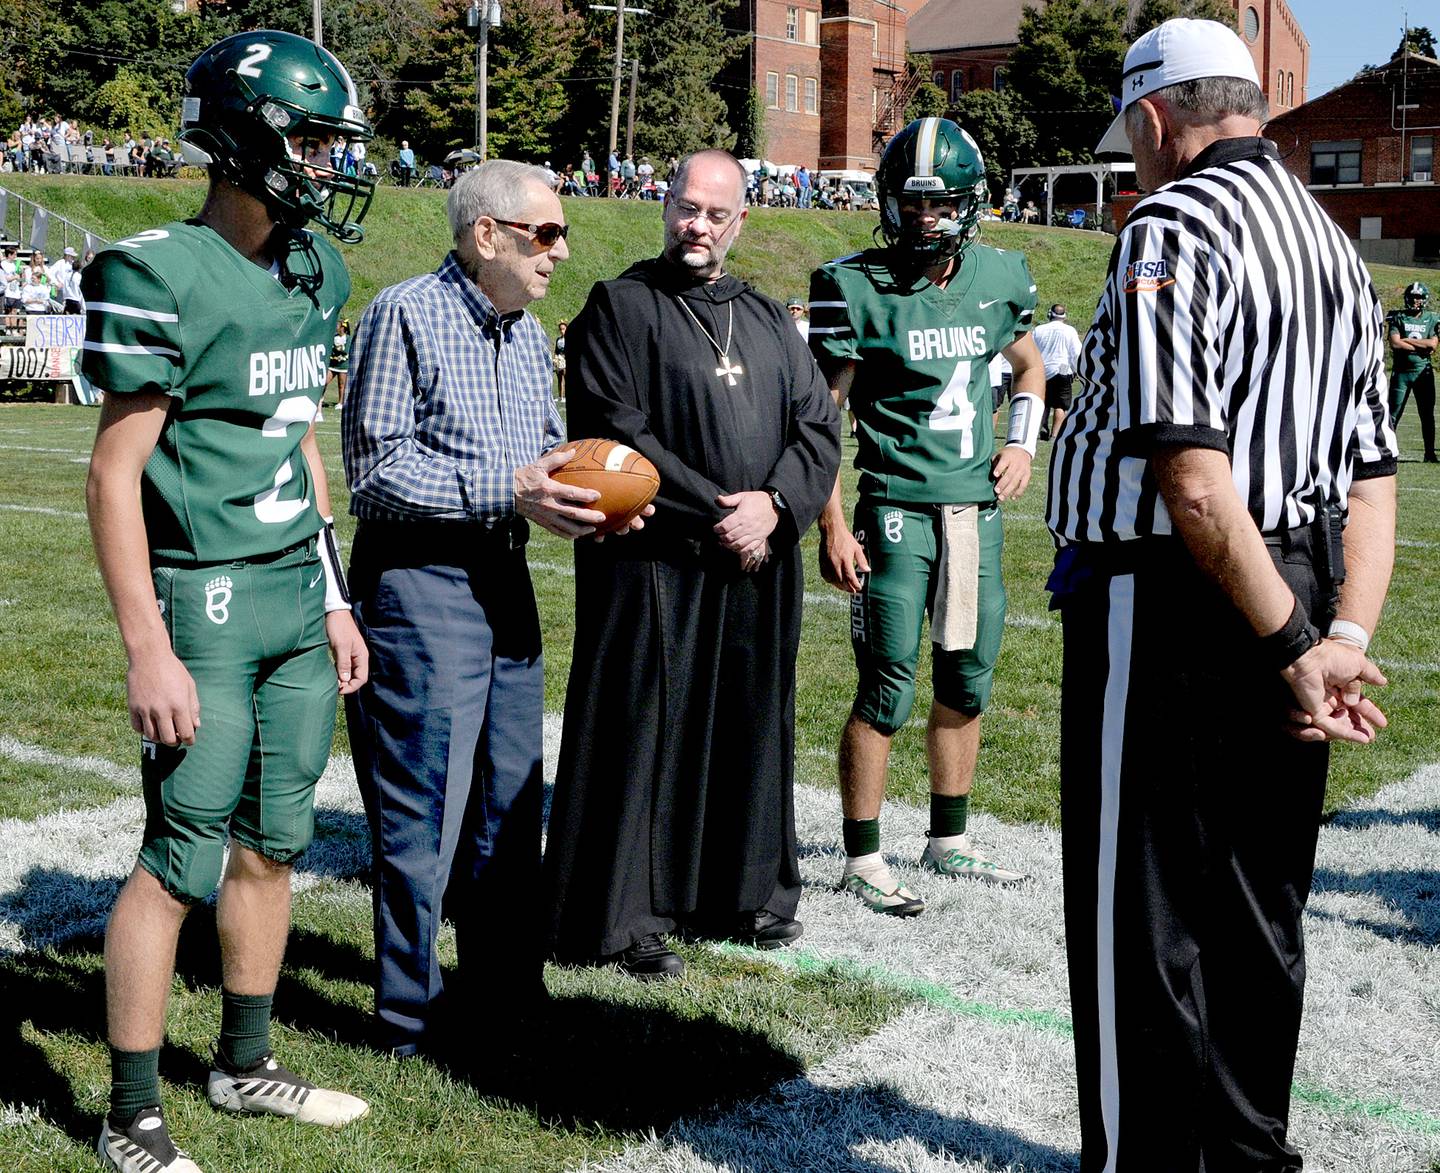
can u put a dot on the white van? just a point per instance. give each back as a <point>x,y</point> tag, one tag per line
<point>860,183</point>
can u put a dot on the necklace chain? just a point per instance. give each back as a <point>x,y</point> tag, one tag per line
<point>724,352</point>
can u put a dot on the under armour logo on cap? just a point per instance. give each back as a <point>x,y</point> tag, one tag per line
<point>1178,50</point>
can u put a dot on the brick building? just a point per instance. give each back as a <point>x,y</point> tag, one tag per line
<point>831,75</point>
<point>969,43</point>
<point>1366,150</point>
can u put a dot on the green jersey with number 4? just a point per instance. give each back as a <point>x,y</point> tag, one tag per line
<point>177,311</point>
<point>921,393</point>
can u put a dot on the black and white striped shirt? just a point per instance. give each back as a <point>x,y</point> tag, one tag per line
<point>1235,316</point>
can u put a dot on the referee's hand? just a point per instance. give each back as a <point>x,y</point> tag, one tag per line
<point>1328,682</point>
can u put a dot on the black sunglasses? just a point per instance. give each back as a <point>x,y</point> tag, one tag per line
<point>545,234</point>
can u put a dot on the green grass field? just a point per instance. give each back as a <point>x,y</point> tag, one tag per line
<point>617,1060</point>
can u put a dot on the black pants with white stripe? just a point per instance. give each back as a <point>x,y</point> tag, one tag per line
<point>1189,828</point>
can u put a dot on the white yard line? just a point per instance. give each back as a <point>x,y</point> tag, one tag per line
<point>45,509</point>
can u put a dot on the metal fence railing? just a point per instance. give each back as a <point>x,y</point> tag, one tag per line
<point>30,226</point>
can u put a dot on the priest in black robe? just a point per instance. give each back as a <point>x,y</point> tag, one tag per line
<point>674,802</point>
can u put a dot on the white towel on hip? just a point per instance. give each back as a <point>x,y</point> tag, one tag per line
<point>957,597</point>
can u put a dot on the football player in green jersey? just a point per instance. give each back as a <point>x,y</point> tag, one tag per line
<point>907,331</point>
<point>210,515</point>
<point>1414,335</point>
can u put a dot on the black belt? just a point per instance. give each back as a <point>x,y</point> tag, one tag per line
<point>455,539</point>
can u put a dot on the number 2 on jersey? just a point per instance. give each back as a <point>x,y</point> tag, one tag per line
<point>953,411</point>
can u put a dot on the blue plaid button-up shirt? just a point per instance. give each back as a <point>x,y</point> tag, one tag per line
<point>447,398</point>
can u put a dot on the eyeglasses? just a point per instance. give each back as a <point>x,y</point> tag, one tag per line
<point>544,234</point>
<point>688,211</point>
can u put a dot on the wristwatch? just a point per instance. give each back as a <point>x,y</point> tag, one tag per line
<point>776,500</point>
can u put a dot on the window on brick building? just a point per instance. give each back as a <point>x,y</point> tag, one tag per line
<point>938,77</point>
<point>1422,159</point>
<point>812,25</point>
<point>957,84</point>
<point>772,90</point>
<point>792,92</point>
<point>1279,87</point>
<point>812,96</point>
<point>1335,162</point>
<point>999,78</point>
<point>792,24</point>
<point>1289,89</point>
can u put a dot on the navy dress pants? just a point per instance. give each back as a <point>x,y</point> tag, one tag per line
<point>447,740</point>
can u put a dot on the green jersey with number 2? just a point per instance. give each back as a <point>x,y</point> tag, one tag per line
<point>177,311</point>
<point>921,393</point>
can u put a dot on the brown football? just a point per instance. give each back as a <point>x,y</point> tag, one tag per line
<point>625,480</point>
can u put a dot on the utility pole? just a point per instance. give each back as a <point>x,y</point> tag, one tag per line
<point>315,21</point>
<point>619,10</point>
<point>480,18</point>
<point>630,121</point>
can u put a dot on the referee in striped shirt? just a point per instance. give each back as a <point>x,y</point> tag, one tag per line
<point>1222,492</point>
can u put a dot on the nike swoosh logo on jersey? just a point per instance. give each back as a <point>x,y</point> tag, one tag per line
<point>985,305</point>
<point>318,576</point>
<point>326,315</point>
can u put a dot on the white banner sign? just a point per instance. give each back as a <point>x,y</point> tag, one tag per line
<point>45,330</point>
<point>37,362</point>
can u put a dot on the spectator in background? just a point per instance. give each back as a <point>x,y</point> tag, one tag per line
<point>557,360</point>
<point>1060,350</point>
<point>627,174</point>
<point>645,173</point>
<point>36,290</point>
<point>74,300</point>
<point>61,269</point>
<point>339,363</point>
<point>797,315</point>
<point>1030,213</point>
<point>612,173</point>
<point>136,158</point>
<point>803,186</point>
<point>406,159</point>
<point>10,268</point>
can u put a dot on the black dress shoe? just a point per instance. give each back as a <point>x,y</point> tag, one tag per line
<point>649,959</point>
<point>1431,458</point>
<point>765,930</point>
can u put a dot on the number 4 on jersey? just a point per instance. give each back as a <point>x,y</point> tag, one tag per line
<point>953,411</point>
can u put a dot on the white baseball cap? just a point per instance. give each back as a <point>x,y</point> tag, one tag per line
<point>1178,50</point>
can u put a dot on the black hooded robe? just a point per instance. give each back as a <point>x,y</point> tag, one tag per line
<point>675,793</point>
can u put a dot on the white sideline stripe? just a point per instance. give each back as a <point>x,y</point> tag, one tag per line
<point>1112,745</point>
<point>32,448</point>
<point>1416,544</point>
<point>554,568</point>
<point>1416,489</point>
<point>1409,665</point>
<point>45,509</point>
<point>130,311</point>
<point>19,751</point>
<point>815,599</point>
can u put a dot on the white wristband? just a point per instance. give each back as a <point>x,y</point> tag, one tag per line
<point>1351,633</point>
<point>1027,413</point>
<point>337,594</point>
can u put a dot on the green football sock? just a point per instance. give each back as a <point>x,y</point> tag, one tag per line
<point>862,836</point>
<point>948,813</point>
<point>134,1083</point>
<point>244,1029</point>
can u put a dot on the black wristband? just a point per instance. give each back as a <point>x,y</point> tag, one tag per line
<point>1292,641</point>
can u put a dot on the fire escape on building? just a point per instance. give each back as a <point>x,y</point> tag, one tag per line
<point>892,97</point>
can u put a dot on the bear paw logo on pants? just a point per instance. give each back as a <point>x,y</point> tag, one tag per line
<point>894,525</point>
<point>218,592</point>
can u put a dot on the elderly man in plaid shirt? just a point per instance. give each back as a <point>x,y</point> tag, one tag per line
<point>448,431</point>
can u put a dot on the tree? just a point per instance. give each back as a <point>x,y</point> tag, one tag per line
<point>928,101</point>
<point>1005,135</point>
<point>1416,40</point>
<point>1065,69</point>
<point>529,54</point>
<point>1149,14</point>
<point>753,135</point>
<point>130,101</point>
<point>682,45</point>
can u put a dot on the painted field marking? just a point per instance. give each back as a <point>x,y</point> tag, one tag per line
<point>45,509</point>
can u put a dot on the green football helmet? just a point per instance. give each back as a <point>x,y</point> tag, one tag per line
<point>247,96</point>
<point>933,159</point>
<point>1416,297</point>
